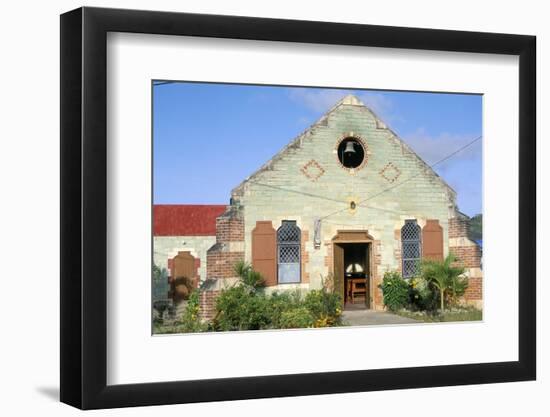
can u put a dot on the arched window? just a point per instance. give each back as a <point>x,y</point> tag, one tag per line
<point>411,249</point>
<point>288,252</point>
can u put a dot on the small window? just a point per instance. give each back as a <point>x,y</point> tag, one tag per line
<point>410,248</point>
<point>351,152</point>
<point>288,252</point>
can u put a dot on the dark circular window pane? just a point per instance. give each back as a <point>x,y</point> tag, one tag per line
<point>351,153</point>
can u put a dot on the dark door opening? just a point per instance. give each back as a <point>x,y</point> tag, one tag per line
<point>352,267</point>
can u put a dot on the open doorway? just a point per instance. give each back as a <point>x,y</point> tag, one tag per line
<point>352,273</point>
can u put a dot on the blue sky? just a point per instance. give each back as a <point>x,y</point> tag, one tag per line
<point>209,137</point>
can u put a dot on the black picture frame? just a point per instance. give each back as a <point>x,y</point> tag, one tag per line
<point>84,207</point>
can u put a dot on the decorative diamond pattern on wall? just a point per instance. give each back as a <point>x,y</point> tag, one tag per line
<point>390,172</point>
<point>313,170</point>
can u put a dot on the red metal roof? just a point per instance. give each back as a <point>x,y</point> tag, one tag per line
<point>185,219</point>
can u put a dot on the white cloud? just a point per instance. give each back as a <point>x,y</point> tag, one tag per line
<point>317,100</point>
<point>434,148</point>
<point>380,104</point>
<point>462,170</point>
<point>322,100</point>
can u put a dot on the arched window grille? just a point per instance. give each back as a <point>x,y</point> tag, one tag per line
<point>411,249</point>
<point>288,252</point>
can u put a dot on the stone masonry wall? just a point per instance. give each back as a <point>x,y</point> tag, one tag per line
<point>307,181</point>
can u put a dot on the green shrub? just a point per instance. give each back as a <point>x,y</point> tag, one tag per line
<point>246,306</point>
<point>190,320</point>
<point>279,303</point>
<point>445,277</point>
<point>395,291</point>
<point>296,318</point>
<point>239,308</point>
<point>160,283</point>
<point>456,288</point>
<point>161,307</point>
<point>247,275</point>
<point>423,296</point>
<point>325,306</point>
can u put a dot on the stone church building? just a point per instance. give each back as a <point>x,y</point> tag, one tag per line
<point>345,199</point>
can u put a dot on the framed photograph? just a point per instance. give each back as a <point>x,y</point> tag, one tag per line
<point>257,207</point>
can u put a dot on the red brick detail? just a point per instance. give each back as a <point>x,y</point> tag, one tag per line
<point>313,170</point>
<point>229,229</point>
<point>186,219</point>
<point>207,304</point>
<point>390,172</point>
<point>474,290</point>
<point>468,256</point>
<point>222,264</point>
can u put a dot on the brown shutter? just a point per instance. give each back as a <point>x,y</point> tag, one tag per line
<point>184,265</point>
<point>264,251</point>
<point>432,240</point>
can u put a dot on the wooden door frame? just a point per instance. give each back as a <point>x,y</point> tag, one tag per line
<point>358,236</point>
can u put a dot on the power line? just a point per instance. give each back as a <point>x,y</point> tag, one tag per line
<point>408,179</point>
<point>299,192</point>
<point>360,203</point>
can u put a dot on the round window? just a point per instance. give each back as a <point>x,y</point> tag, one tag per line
<point>351,152</point>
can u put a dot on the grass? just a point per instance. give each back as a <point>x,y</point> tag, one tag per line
<point>455,314</point>
<point>168,328</point>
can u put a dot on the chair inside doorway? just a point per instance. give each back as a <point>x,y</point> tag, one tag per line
<point>356,275</point>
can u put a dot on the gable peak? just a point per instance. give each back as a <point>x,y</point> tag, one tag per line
<point>350,100</point>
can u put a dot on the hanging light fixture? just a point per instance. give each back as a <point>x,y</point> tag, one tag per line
<point>350,148</point>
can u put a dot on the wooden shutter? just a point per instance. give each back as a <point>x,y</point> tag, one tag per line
<point>264,251</point>
<point>183,265</point>
<point>432,240</point>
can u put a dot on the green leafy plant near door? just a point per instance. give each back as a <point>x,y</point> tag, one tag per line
<point>434,295</point>
<point>395,291</point>
<point>448,279</point>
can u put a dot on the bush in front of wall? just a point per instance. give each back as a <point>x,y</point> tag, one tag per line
<point>423,296</point>
<point>395,291</point>
<point>247,275</point>
<point>190,320</point>
<point>239,308</point>
<point>247,305</point>
<point>160,283</point>
<point>279,303</point>
<point>325,306</point>
<point>296,318</point>
<point>447,277</point>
